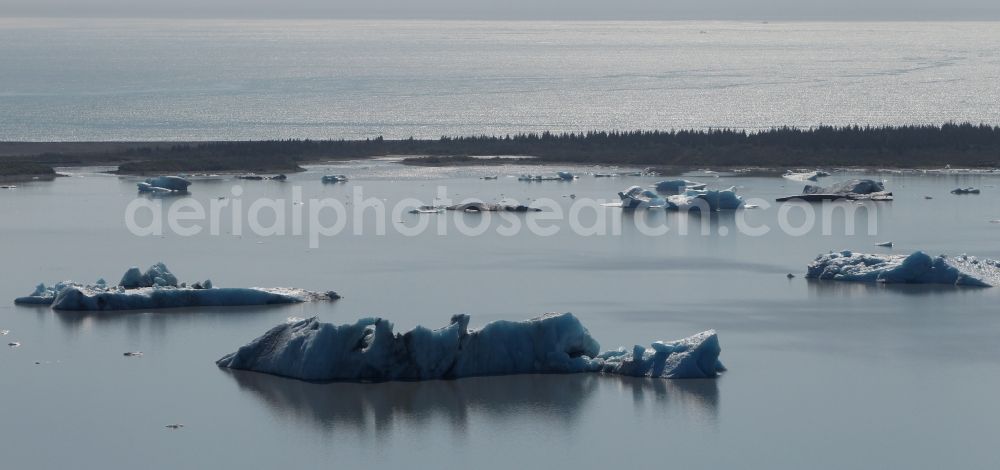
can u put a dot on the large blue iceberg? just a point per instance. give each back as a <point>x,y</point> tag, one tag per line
<point>690,200</point>
<point>917,268</point>
<point>158,288</point>
<point>164,184</point>
<point>369,350</point>
<point>717,199</point>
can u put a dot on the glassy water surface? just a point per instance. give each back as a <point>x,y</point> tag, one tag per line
<point>822,375</point>
<point>94,79</point>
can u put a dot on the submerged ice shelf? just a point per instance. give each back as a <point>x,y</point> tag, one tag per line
<point>158,288</point>
<point>553,343</point>
<point>916,268</point>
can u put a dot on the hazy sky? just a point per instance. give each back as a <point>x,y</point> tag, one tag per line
<point>517,9</point>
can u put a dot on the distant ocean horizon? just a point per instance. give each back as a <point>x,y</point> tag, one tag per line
<point>117,79</point>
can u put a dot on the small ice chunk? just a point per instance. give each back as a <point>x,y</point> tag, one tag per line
<point>425,209</point>
<point>693,357</point>
<point>42,295</point>
<point>635,197</point>
<point>677,186</point>
<point>804,176</point>
<point>132,278</point>
<point>157,275</point>
<point>969,190</point>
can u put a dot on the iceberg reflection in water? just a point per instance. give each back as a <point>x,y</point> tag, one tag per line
<point>561,398</point>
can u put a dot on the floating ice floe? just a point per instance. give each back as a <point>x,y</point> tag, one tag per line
<point>969,190</point>
<point>427,210</point>
<point>553,343</point>
<point>691,199</point>
<point>615,175</point>
<point>916,268</point>
<point>717,199</point>
<point>560,176</point>
<point>490,207</point>
<point>677,186</point>
<point>635,197</point>
<point>255,177</point>
<point>805,175</point>
<point>164,184</point>
<point>334,179</point>
<point>855,189</point>
<point>158,288</point>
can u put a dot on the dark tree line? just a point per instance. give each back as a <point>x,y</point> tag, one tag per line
<point>903,146</point>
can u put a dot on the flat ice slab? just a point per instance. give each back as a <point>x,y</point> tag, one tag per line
<point>490,207</point>
<point>89,298</point>
<point>854,189</point>
<point>554,343</point>
<point>158,288</point>
<point>916,268</point>
<point>853,186</point>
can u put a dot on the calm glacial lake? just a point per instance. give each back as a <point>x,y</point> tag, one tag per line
<point>821,375</point>
<point>94,79</point>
